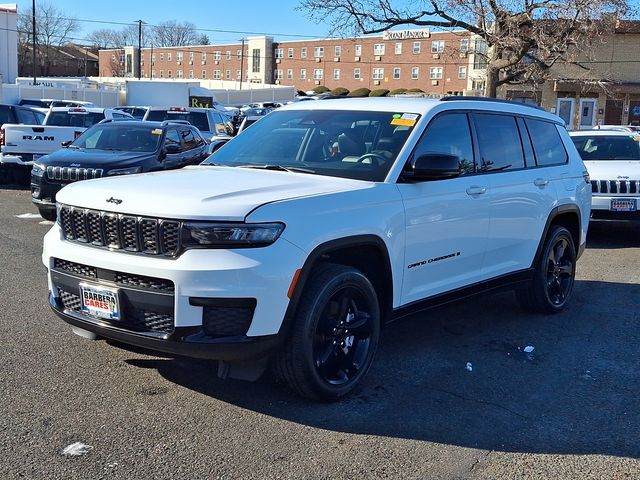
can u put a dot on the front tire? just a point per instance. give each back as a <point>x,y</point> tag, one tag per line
<point>48,214</point>
<point>554,274</point>
<point>334,334</point>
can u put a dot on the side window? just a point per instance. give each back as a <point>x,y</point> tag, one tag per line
<point>172,138</point>
<point>450,134</point>
<point>5,115</point>
<point>547,143</point>
<point>26,116</point>
<point>188,139</point>
<point>39,117</point>
<point>499,142</point>
<point>199,140</point>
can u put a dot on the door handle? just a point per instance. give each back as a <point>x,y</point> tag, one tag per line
<point>475,190</point>
<point>541,182</point>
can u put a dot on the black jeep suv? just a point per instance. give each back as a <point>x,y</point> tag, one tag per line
<point>115,148</point>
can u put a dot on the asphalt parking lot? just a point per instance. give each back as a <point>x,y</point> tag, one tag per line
<point>568,409</point>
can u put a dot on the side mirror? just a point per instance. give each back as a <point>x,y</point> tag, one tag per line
<point>66,143</point>
<point>172,148</point>
<point>434,166</point>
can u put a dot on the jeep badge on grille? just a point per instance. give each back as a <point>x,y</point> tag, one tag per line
<point>117,201</point>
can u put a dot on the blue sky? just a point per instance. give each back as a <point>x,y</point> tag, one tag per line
<point>276,17</point>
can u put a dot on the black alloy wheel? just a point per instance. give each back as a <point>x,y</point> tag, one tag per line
<point>333,336</point>
<point>560,272</point>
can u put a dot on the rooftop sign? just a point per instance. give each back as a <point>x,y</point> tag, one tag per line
<point>406,34</point>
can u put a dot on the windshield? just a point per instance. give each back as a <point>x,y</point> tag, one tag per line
<point>604,147</point>
<point>348,144</point>
<point>197,119</point>
<point>66,119</point>
<point>128,138</point>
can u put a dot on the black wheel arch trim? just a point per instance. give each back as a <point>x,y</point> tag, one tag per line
<point>316,256</point>
<point>557,211</point>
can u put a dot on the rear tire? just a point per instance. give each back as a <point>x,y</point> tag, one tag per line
<point>47,214</point>
<point>554,274</point>
<point>334,334</point>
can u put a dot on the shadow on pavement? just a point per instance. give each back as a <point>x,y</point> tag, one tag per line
<point>613,234</point>
<point>576,393</point>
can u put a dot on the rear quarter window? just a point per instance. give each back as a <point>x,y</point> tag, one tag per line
<point>547,143</point>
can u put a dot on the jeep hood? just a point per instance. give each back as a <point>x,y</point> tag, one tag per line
<point>200,192</point>
<point>613,169</point>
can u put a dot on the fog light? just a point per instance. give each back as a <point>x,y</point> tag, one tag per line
<point>35,192</point>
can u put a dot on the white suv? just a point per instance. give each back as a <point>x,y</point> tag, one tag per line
<point>613,160</point>
<point>298,238</point>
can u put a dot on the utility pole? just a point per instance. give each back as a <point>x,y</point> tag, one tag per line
<point>151,64</point>
<point>34,46</point>
<point>139,49</point>
<point>241,62</point>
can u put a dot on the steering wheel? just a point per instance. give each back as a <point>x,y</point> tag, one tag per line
<point>375,158</point>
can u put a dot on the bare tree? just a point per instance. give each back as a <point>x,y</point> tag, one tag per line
<point>520,39</point>
<point>174,34</point>
<point>110,38</point>
<point>54,28</point>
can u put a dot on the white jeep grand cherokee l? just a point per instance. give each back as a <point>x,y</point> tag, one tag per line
<point>297,239</point>
<point>613,161</point>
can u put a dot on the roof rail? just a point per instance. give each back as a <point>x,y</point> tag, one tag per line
<point>450,98</point>
<point>181,122</point>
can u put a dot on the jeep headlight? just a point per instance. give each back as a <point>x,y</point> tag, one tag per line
<point>37,170</point>
<point>229,235</point>
<point>124,171</point>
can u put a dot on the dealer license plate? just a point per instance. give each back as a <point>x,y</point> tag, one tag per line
<point>99,301</point>
<point>623,205</point>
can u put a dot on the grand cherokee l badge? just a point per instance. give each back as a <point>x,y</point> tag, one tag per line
<point>117,201</point>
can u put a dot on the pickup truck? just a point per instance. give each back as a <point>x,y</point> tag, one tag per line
<point>21,145</point>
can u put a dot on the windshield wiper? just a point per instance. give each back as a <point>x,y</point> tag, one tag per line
<point>280,168</point>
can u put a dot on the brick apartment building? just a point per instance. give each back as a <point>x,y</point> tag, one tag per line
<point>438,63</point>
<point>70,60</point>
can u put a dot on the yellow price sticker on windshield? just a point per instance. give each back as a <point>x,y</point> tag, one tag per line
<point>403,122</point>
<point>156,131</point>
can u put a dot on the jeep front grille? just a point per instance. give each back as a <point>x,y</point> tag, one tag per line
<point>72,174</point>
<point>615,187</point>
<point>152,236</point>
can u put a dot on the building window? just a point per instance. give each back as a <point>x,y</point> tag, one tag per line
<point>227,74</point>
<point>289,52</point>
<point>303,52</point>
<point>318,52</point>
<point>238,74</point>
<point>396,73</point>
<point>153,57</point>
<point>278,74</point>
<point>435,73</point>
<point>378,49</point>
<point>356,73</point>
<point>303,74</point>
<point>477,85</point>
<point>191,56</point>
<point>415,73</point>
<point>190,73</point>
<point>122,58</point>
<point>338,51</point>
<point>203,56</point>
<point>416,48</point>
<point>358,50</point>
<point>238,54</point>
<point>464,45</point>
<point>255,65</point>
<point>398,49</point>
<point>279,52</point>
<point>169,74</point>
<point>216,55</point>
<point>168,56</point>
<point>228,54</point>
<point>290,74</point>
<point>336,74</point>
<point>113,57</point>
<point>204,74</point>
<point>480,54</point>
<point>462,72</point>
<point>216,74</point>
<point>437,46</point>
<point>179,56</point>
<point>161,73</point>
<point>378,73</point>
<point>178,73</point>
<point>318,73</point>
<point>161,57</point>
<point>153,73</point>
